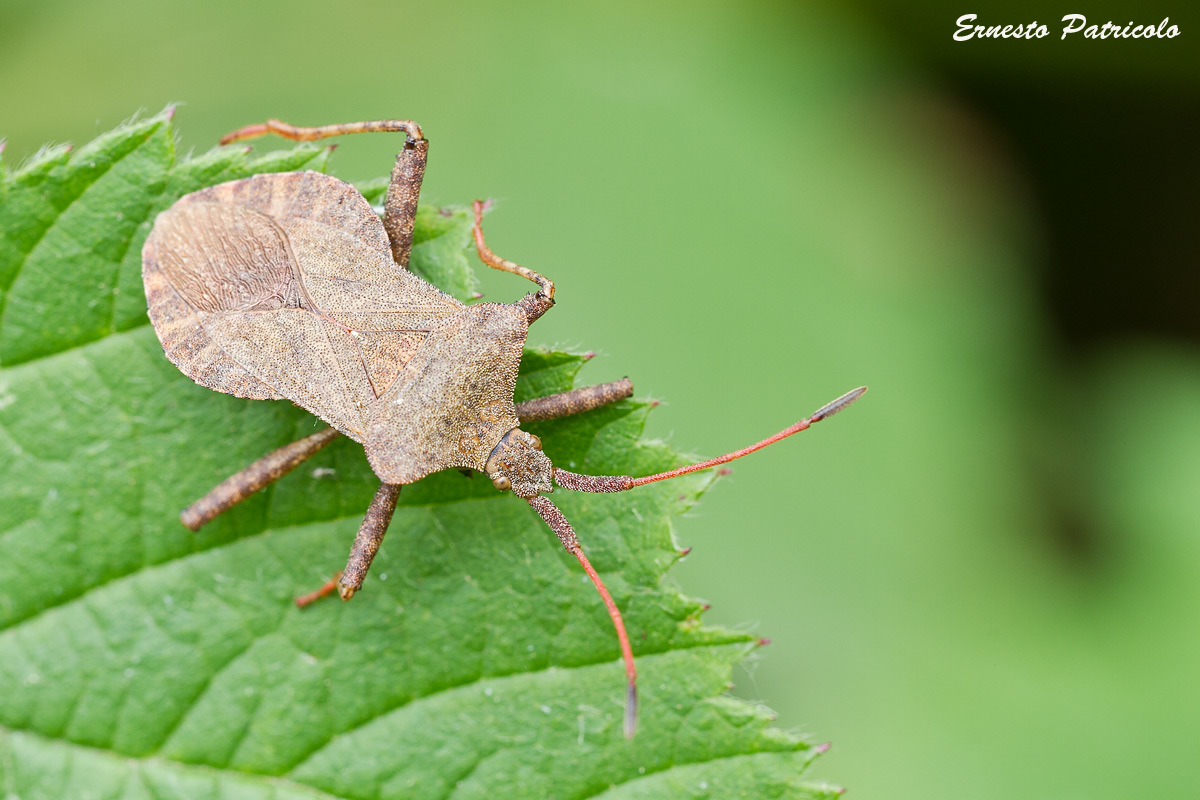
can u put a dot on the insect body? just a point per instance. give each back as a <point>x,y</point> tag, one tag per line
<point>289,286</point>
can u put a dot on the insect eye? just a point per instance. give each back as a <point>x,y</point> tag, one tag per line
<point>502,483</point>
<point>534,442</point>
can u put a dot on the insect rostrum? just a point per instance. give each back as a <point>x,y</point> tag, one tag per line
<point>289,286</point>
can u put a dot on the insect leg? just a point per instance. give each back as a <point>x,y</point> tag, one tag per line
<point>301,134</point>
<point>575,401</point>
<point>534,304</point>
<point>400,205</point>
<point>261,473</point>
<point>369,538</point>
<point>325,590</point>
<point>366,545</point>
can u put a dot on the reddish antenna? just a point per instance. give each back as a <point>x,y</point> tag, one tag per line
<point>619,483</point>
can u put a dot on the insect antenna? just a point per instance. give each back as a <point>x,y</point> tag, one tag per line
<point>619,483</point>
<point>562,529</point>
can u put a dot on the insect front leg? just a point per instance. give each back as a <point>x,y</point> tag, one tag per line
<point>400,205</point>
<point>259,475</point>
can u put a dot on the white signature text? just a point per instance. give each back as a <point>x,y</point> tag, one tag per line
<point>1073,23</point>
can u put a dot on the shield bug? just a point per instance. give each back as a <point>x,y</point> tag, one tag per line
<point>289,286</point>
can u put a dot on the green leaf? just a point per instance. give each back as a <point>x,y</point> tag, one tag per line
<point>139,660</point>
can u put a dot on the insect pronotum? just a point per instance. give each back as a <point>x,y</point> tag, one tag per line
<point>290,286</point>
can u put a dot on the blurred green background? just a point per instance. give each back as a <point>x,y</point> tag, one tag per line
<point>983,580</point>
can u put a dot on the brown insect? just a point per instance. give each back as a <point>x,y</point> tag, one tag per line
<point>286,286</point>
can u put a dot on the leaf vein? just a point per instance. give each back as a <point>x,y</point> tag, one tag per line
<point>203,688</point>
<point>276,782</point>
<point>66,600</point>
<point>41,236</point>
<point>151,207</point>
<point>648,773</point>
<point>403,705</point>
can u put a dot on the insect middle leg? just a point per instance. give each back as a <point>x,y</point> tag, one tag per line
<point>366,546</point>
<point>400,205</point>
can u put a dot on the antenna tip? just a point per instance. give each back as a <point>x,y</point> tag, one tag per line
<point>829,409</point>
<point>631,710</point>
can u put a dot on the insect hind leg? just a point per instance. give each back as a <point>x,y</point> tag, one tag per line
<point>259,475</point>
<point>299,133</point>
<point>400,205</point>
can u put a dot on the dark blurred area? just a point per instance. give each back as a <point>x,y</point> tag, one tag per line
<point>1105,133</point>
<point>1115,174</point>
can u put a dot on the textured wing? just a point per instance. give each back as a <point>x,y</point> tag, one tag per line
<point>453,401</point>
<point>306,358</point>
<point>284,286</point>
<point>198,261</point>
<point>389,309</point>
